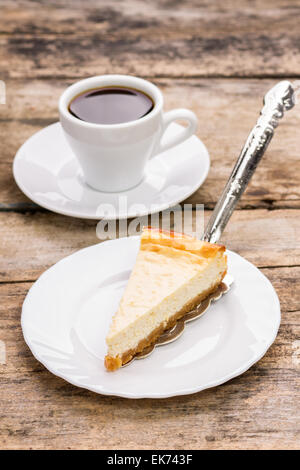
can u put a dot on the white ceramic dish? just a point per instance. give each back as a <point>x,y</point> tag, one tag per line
<point>47,172</point>
<point>67,312</point>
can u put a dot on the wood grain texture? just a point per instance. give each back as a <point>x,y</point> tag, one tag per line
<point>207,56</point>
<point>227,110</point>
<point>256,410</point>
<point>33,242</point>
<point>161,38</point>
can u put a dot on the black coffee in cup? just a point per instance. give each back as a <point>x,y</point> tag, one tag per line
<point>111,105</point>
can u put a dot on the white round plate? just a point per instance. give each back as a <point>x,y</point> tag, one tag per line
<point>67,312</point>
<point>47,172</point>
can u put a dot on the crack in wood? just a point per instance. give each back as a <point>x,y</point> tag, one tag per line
<point>18,281</point>
<point>24,207</point>
<point>280,266</point>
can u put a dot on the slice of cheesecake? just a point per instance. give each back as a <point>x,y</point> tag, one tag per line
<point>172,274</point>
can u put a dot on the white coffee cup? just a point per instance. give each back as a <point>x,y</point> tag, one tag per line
<point>113,156</point>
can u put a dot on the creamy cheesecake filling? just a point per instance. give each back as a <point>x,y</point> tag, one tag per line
<point>126,335</point>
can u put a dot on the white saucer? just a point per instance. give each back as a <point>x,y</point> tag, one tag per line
<point>47,172</point>
<point>67,312</point>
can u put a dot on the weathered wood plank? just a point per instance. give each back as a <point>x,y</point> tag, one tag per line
<point>227,110</point>
<point>30,243</point>
<point>76,16</point>
<point>266,238</point>
<point>285,281</point>
<point>161,38</point>
<point>258,410</point>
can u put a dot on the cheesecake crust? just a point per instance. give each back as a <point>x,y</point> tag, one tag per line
<point>114,363</point>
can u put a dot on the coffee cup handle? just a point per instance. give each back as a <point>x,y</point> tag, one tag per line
<point>185,133</point>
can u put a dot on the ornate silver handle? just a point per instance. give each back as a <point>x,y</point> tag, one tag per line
<point>279,99</point>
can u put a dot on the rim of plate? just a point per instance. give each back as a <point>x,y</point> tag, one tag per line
<point>130,395</point>
<point>76,214</point>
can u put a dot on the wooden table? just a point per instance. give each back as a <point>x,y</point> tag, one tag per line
<point>218,60</point>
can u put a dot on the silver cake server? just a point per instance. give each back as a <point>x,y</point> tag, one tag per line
<point>277,100</point>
